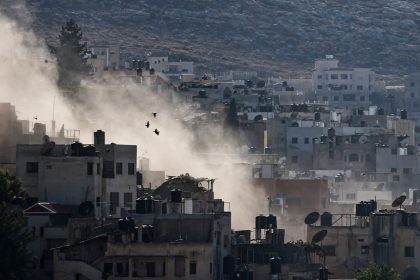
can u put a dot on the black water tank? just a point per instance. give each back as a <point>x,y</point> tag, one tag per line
<point>360,112</point>
<point>412,219</point>
<point>123,224</point>
<point>323,139</point>
<point>99,137</point>
<point>147,233</point>
<point>139,72</point>
<point>323,273</point>
<point>331,132</point>
<point>362,209</point>
<point>140,206</point>
<point>89,151</point>
<point>131,223</point>
<point>76,149</point>
<point>149,205</point>
<point>317,116</point>
<point>228,265</point>
<point>275,265</point>
<point>381,111</point>
<point>261,222</point>
<point>403,114</point>
<point>272,221</point>
<point>373,206</point>
<point>176,196</point>
<point>152,72</point>
<point>326,219</point>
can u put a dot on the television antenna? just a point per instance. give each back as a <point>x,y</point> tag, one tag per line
<point>399,201</point>
<point>312,218</point>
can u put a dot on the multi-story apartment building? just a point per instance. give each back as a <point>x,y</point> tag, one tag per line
<point>342,87</point>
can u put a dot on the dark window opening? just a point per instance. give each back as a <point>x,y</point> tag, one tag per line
<point>119,168</point>
<point>131,168</point>
<point>409,252</point>
<point>353,157</point>
<point>193,268</point>
<point>90,168</point>
<point>32,167</point>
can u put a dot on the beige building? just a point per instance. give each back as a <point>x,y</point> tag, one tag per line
<point>386,237</point>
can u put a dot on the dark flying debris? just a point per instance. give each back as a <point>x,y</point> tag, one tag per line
<point>156,131</point>
<point>108,150</point>
<point>36,117</point>
<point>154,114</point>
<point>46,61</point>
<point>147,124</point>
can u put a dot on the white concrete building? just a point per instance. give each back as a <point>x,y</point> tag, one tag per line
<point>342,87</point>
<point>109,54</point>
<point>160,63</point>
<point>102,174</point>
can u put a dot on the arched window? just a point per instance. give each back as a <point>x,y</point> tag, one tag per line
<point>353,157</point>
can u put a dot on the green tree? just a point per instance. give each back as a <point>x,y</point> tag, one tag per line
<point>377,272</point>
<point>231,120</point>
<point>71,56</point>
<point>15,260</point>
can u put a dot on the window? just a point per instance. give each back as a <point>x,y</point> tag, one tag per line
<point>128,200</point>
<point>319,86</point>
<point>407,170</point>
<point>179,266</point>
<point>336,98</point>
<point>325,98</point>
<point>32,167</point>
<point>294,140</point>
<point>344,87</point>
<point>329,250</point>
<point>359,87</point>
<point>409,252</point>
<point>393,170</point>
<point>344,76</point>
<point>119,168</point>
<point>193,267</point>
<point>41,231</point>
<point>395,178</point>
<point>351,196</point>
<point>211,268</point>
<point>353,157</point>
<point>319,76</point>
<point>150,269</point>
<point>114,198</point>
<point>306,140</point>
<point>334,76</point>
<point>122,269</point>
<point>108,169</point>
<point>90,168</point>
<point>294,159</point>
<point>98,168</point>
<point>108,268</point>
<point>131,168</point>
<point>349,97</point>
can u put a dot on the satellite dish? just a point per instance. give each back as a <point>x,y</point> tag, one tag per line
<point>319,236</point>
<point>363,139</point>
<point>399,201</point>
<point>311,218</point>
<point>47,148</point>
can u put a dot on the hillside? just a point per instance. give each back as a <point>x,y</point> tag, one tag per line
<point>272,35</point>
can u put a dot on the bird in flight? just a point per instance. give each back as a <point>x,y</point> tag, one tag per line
<point>36,117</point>
<point>156,131</point>
<point>154,114</point>
<point>147,124</point>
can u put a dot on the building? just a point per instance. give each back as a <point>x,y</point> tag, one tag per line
<point>385,237</point>
<point>412,92</point>
<point>100,174</point>
<point>109,54</point>
<point>160,62</point>
<point>14,131</point>
<point>342,87</point>
<point>180,231</point>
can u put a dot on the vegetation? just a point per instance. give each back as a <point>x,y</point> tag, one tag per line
<point>231,120</point>
<point>71,56</point>
<point>15,261</point>
<point>376,272</point>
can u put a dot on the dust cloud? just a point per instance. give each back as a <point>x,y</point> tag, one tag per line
<point>28,77</point>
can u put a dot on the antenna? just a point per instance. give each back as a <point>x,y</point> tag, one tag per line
<point>399,201</point>
<point>319,236</point>
<point>312,218</point>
